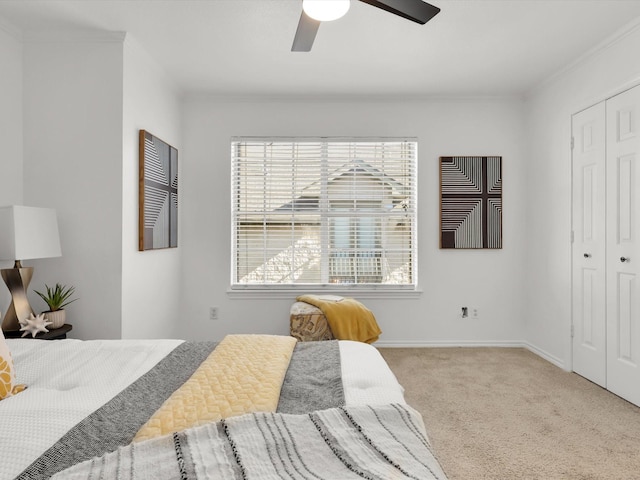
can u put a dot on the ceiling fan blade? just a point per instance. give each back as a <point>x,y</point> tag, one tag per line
<point>414,10</point>
<point>305,34</point>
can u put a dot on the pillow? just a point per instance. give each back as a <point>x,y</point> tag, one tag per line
<point>8,385</point>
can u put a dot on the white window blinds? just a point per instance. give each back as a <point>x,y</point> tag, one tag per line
<point>323,211</point>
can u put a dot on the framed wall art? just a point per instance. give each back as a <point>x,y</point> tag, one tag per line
<point>158,194</point>
<point>471,202</point>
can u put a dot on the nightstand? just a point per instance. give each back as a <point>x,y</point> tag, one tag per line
<point>52,334</point>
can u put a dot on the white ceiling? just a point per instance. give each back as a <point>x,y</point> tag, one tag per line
<point>242,47</point>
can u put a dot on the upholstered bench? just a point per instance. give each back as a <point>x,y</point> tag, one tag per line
<point>308,323</point>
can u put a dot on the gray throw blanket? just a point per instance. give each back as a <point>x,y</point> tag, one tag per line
<point>382,442</point>
<point>313,381</point>
<point>314,378</point>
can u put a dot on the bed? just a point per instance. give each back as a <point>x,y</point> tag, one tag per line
<point>250,406</point>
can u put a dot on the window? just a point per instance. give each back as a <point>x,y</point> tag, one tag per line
<point>324,212</point>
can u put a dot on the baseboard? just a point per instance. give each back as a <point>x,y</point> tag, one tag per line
<point>413,344</point>
<point>546,355</point>
<point>472,344</point>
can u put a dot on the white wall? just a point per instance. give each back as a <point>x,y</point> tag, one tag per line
<point>151,279</point>
<point>490,280</point>
<point>80,156</point>
<point>609,68</point>
<point>10,116</point>
<point>73,163</point>
<point>10,131</point>
<point>85,99</point>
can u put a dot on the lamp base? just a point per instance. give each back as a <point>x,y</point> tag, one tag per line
<point>17,280</point>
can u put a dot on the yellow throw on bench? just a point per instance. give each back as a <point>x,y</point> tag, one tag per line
<point>347,318</point>
<point>244,374</point>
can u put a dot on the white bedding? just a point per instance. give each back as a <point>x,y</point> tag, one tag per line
<point>366,377</point>
<point>69,379</point>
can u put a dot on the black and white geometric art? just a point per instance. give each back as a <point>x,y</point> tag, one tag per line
<point>470,202</point>
<point>158,205</point>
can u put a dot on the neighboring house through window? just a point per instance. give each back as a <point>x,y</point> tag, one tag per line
<point>324,211</point>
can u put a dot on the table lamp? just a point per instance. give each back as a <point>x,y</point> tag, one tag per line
<point>25,233</point>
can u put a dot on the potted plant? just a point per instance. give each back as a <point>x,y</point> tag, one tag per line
<point>57,298</point>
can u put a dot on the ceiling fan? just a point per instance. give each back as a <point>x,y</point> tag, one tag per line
<point>316,11</point>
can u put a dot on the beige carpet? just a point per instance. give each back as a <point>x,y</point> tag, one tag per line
<point>504,413</point>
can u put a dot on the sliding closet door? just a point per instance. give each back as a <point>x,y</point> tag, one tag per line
<point>588,252</point>
<point>623,245</point>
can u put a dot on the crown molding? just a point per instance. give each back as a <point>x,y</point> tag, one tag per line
<point>217,97</point>
<point>89,36</point>
<point>619,35</point>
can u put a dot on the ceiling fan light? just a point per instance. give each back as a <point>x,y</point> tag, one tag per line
<point>325,10</point>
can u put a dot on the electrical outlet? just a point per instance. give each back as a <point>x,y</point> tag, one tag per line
<point>475,312</point>
<point>213,313</point>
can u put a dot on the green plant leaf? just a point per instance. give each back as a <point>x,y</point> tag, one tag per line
<point>57,297</point>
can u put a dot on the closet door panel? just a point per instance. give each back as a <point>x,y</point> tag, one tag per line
<point>588,249</point>
<point>626,293</point>
<point>623,250</point>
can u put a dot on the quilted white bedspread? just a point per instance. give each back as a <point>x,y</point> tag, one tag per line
<point>67,380</point>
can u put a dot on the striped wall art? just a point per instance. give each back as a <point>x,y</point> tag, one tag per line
<point>470,202</point>
<point>158,194</point>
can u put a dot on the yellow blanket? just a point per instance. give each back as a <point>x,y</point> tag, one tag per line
<point>348,318</point>
<point>244,374</point>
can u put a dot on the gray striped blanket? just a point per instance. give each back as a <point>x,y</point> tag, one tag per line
<point>381,442</point>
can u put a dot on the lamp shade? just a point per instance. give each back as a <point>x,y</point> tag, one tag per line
<point>28,232</point>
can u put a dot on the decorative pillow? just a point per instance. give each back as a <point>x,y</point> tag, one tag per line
<point>8,385</point>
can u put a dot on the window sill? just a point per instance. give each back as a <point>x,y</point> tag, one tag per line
<point>292,292</point>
